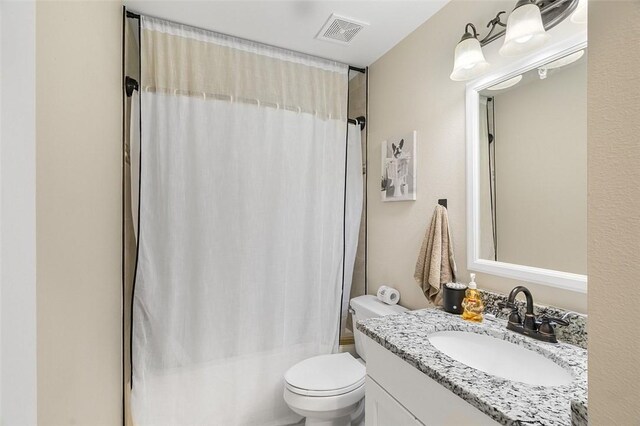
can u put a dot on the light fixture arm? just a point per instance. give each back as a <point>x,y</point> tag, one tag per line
<point>473,27</point>
<point>493,24</point>
<point>468,34</point>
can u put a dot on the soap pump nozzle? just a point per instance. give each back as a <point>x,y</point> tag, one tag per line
<point>473,284</point>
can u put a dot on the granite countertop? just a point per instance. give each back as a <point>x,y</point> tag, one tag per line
<point>579,413</point>
<point>507,402</point>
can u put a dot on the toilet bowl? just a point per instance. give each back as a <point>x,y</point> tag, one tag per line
<point>328,390</point>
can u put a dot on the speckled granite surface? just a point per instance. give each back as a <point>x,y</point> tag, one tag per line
<point>579,413</point>
<point>575,333</point>
<point>507,402</point>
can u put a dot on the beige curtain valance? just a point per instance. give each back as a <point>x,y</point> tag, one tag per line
<point>182,60</point>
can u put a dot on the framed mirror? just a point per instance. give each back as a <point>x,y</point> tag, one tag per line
<point>527,170</point>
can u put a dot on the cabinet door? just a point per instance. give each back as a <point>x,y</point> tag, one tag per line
<point>382,410</point>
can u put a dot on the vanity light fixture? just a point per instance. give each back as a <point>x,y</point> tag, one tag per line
<point>565,60</point>
<point>507,83</point>
<point>526,30</point>
<point>580,15</point>
<point>469,60</point>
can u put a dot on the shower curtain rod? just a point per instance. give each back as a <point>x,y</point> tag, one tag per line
<point>351,67</point>
<point>361,121</point>
<point>130,84</point>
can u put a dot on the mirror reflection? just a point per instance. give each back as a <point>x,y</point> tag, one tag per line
<point>533,167</point>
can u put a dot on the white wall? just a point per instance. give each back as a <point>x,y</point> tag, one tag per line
<point>410,89</point>
<point>17,214</point>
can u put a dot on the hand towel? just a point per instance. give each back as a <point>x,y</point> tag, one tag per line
<point>436,263</point>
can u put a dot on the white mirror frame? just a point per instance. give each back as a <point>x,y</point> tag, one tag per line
<point>549,277</point>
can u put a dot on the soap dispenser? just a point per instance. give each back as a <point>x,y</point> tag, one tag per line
<point>472,303</point>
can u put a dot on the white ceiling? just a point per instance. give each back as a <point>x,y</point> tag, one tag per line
<point>294,24</point>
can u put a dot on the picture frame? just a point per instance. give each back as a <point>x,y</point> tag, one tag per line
<point>398,168</point>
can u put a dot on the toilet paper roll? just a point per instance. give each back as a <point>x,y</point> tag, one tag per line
<point>388,295</point>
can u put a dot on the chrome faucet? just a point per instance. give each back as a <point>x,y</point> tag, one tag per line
<point>540,330</point>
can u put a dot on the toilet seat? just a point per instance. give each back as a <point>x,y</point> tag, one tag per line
<point>329,392</point>
<point>326,376</point>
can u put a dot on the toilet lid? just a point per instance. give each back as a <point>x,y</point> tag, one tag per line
<point>326,375</point>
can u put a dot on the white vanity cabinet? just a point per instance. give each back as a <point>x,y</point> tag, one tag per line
<point>382,410</point>
<point>397,394</point>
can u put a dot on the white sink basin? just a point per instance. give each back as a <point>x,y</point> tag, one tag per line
<point>500,358</point>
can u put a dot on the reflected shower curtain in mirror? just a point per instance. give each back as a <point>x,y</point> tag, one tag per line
<point>242,195</point>
<point>488,235</point>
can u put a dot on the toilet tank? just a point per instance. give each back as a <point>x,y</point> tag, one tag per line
<point>365,307</point>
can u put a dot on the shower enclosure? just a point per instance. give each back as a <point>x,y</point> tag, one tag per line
<point>242,212</point>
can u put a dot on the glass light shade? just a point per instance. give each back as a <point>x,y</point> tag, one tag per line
<point>579,16</point>
<point>525,31</point>
<point>507,83</point>
<point>566,60</point>
<point>469,60</point>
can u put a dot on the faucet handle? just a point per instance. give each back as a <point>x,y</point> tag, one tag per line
<point>546,326</point>
<point>554,320</point>
<point>514,317</point>
<point>568,314</point>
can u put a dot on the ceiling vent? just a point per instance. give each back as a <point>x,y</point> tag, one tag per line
<point>339,29</point>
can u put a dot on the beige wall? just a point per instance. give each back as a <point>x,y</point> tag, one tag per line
<point>78,212</point>
<point>410,89</point>
<point>614,212</point>
<point>541,170</point>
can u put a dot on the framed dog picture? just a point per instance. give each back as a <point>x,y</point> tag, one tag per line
<point>399,168</point>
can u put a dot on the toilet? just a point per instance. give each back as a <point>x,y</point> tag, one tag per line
<point>328,390</point>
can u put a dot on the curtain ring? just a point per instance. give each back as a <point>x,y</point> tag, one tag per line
<point>299,110</point>
<point>204,96</point>
<point>258,102</point>
<point>175,92</point>
<point>231,98</point>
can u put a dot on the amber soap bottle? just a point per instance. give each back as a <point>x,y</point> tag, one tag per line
<point>472,303</point>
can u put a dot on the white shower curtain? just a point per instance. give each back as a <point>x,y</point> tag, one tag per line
<point>242,208</point>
